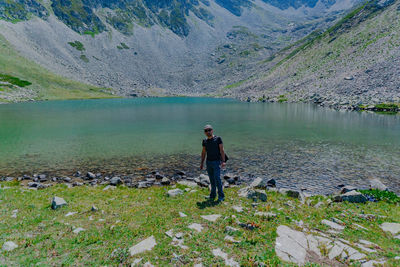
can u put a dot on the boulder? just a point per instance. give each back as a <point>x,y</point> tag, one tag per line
<point>175,192</point>
<point>377,184</point>
<point>352,196</point>
<point>290,193</point>
<point>254,194</point>
<point>115,181</point>
<point>58,202</point>
<point>67,179</point>
<point>347,188</point>
<point>187,183</point>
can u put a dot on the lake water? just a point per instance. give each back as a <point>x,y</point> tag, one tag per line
<point>299,145</point>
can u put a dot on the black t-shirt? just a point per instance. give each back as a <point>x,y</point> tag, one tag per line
<point>212,148</point>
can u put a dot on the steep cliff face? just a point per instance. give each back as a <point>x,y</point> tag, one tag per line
<point>146,47</point>
<point>352,65</point>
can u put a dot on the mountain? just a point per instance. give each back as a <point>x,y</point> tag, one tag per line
<point>147,47</point>
<point>353,64</point>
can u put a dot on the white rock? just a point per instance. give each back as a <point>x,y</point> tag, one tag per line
<point>291,245</point>
<point>393,228</point>
<point>397,237</point>
<point>256,182</point>
<point>397,258</point>
<point>170,233</point>
<point>145,245</point>
<point>211,218</point>
<point>196,226</point>
<point>377,184</point>
<point>9,246</point>
<point>78,230</point>
<point>230,229</point>
<point>175,192</point>
<point>148,264</point>
<point>181,214</point>
<point>237,208</point>
<point>187,183</point>
<point>333,225</point>
<point>57,202</point>
<point>70,214</point>
<point>265,214</point>
<point>136,262</point>
<point>108,187</point>
<point>360,226</point>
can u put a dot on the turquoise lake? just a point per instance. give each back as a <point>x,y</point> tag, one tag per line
<point>300,145</point>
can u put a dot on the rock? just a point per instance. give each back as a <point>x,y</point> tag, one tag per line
<point>78,230</point>
<point>257,182</point>
<point>187,183</point>
<point>319,204</point>
<point>228,261</point>
<point>231,239</point>
<point>170,233</point>
<point>90,175</point>
<point>77,184</point>
<point>352,196</point>
<point>115,181</point>
<point>58,202</point>
<point>271,183</point>
<point>196,226</point>
<point>148,264</point>
<point>67,179</point>
<point>332,225</point>
<point>373,263</point>
<point>145,245</point>
<point>174,192</point>
<point>348,78</point>
<point>377,184</point>
<point>70,213</point>
<point>291,245</point>
<point>347,188</point>
<point>211,218</point>
<point>290,193</point>
<point>179,172</point>
<point>237,208</point>
<point>34,184</point>
<point>78,174</point>
<point>230,229</point>
<point>393,228</point>
<point>9,246</point>
<point>268,215</point>
<point>182,215</point>
<point>94,208</point>
<point>165,181</point>
<point>254,194</point>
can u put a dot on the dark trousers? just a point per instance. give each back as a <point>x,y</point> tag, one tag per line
<point>214,172</point>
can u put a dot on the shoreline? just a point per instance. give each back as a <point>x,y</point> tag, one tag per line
<point>382,108</point>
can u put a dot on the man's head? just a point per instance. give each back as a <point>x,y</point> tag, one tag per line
<point>208,130</point>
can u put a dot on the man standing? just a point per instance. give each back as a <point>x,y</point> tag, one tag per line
<point>213,147</point>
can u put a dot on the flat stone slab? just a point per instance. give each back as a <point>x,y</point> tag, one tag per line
<point>181,214</point>
<point>196,226</point>
<point>9,246</point>
<point>145,245</point>
<point>393,228</point>
<point>265,214</point>
<point>332,225</point>
<point>211,218</point>
<point>187,183</point>
<point>70,213</point>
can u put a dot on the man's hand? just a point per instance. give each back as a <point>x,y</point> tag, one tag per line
<point>201,166</point>
<point>223,164</point>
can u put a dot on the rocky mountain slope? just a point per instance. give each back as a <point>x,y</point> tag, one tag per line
<point>354,64</point>
<point>144,47</point>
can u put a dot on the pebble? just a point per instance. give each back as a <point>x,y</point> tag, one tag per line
<point>78,230</point>
<point>211,218</point>
<point>70,214</point>
<point>181,214</point>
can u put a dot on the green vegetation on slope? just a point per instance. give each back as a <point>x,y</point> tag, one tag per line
<point>127,216</point>
<point>43,85</point>
<point>77,45</point>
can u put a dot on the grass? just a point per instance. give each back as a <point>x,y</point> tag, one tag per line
<point>127,216</point>
<point>14,80</point>
<point>46,85</point>
<point>77,45</point>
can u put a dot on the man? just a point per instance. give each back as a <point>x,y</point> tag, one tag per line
<point>214,149</point>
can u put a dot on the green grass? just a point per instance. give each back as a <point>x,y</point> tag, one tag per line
<point>77,45</point>
<point>127,216</point>
<point>14,80</point>
<point>84,58</point>
<point>382,195</point>
<point>236,84</point>
<point>46,85</point>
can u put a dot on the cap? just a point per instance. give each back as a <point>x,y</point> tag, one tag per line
<point>208,126</point>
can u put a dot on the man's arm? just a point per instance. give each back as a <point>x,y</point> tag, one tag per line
<point>221,150</point>
<point>203,157</point>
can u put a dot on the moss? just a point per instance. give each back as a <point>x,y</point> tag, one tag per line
<point>84,58</point>
<point>77,45</point>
